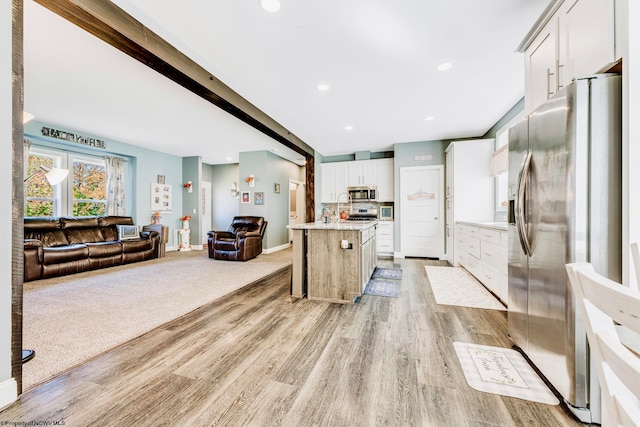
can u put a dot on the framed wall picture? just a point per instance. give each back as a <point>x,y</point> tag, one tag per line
<point>160,179</point>
<point>276,187</point>
<point>259,198</point>
<point>160,198</point>
<point>245,197</point>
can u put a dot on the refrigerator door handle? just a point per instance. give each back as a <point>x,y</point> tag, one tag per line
<point>521,224</point>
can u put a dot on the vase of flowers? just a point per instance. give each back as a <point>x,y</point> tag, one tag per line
<point>185,221</point>
<point>155,217</point>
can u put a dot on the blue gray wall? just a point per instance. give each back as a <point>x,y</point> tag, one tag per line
<point>268,170</point>
<point>224,206</point>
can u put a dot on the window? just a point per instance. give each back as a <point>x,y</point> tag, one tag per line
<point>89,188</point>
<point>83,193</point>
<point>41,198</point>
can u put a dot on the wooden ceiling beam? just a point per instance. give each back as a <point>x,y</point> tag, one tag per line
<point>114,26</point>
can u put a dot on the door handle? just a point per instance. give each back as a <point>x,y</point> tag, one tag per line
<point>521,225</point>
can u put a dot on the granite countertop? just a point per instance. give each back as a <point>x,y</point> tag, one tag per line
<point>347,225</point>
<point>497,225</point>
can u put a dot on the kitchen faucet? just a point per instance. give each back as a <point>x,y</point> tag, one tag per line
<point>338,202</point>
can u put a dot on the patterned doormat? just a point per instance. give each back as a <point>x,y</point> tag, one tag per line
<point>502,371</point>
<point>383,288</point>
<point>387,273</point>
<point>454,286</point>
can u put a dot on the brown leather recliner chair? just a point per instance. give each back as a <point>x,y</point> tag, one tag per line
<point>242,242</point>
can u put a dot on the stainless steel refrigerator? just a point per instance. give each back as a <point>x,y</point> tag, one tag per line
<point>564,206</point>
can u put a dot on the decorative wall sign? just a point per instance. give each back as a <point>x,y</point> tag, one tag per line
<point>161,198</point>
<point>72,137</point>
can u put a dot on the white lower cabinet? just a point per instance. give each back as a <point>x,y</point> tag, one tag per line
<point>385,238</point>
<point>482,251</point>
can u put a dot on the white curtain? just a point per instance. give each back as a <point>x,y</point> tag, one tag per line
<point>114,168</point>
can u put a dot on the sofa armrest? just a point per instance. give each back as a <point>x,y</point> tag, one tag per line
<point>33,259</point>
<point>221,234</point>
<point>148,234</point>
<point>245,234</point>
<point>32,244</point>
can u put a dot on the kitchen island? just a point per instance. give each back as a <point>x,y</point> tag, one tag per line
<point>333,261</point>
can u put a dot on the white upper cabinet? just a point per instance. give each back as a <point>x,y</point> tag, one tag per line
<point>363,172</point>
<point>576,39</point>
<point>333,181</point>
<point>385,180</point>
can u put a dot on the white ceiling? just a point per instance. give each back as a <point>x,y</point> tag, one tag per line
<point>377,56</point>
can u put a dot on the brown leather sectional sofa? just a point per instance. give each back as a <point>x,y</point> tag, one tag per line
<point>66,245</point>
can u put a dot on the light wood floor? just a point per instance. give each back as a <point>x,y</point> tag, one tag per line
<point>254,358</point>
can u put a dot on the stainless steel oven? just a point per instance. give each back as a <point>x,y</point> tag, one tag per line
<point>362,193</point>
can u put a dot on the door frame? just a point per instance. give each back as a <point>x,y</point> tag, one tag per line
<point>441,213</point>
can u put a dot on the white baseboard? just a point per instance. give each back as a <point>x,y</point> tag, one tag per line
<point>175,248</point>
<point>8,392</point>
<point>398,255</point>
<point>276,248</point>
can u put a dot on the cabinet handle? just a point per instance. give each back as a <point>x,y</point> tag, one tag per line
<point>558,66</point>
<point>549,74</point>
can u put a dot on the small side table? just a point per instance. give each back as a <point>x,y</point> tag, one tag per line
<point>184,234</point>
<point>163,231</point>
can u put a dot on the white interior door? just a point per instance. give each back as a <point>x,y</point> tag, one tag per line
<point>422,211</point>
<point>205,210</point>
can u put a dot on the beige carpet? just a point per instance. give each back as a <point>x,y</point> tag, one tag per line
<point>455,286</point>
<point>68,320</point>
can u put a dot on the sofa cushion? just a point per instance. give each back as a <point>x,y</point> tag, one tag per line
<point>129,246</point>
<point>225,244</point>
<point>104,249</point>
<point>82,230</point>
<point>62,254</point>
<point>109,225</point>
<point>47,230</point>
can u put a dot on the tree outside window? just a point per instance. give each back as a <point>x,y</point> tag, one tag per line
<point>89,188</point>
<point>82,194</point>
<point>40,195</point>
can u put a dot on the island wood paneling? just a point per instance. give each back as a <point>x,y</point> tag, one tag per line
<point>333,273</point>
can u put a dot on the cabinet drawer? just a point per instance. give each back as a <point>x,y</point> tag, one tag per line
<point>494,281</point>
<point>490,235</point>
<point>385,232</point>
<point>472,245</point>
<point>504,239</point>
<point>385,225</point>
<point>461,228</point>
<point>461,258</point>
<point>472,265</point>
<point>495,256</point>
<point>384,246</point>
<point>472,230</point>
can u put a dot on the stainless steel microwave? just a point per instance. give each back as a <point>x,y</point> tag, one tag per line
<point>362,193</point>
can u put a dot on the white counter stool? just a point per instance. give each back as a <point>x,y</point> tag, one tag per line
<point>602,302</point>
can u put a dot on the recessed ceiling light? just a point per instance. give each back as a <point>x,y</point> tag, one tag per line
<point>270,5</point>
<point>323,87</point>
<point>444,66</point>
<point>429,118</point>
<point>348,128</point>
<point>229,159</point>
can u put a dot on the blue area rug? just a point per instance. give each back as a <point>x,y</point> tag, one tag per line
<point>387,273</point>
<point>383,288</point>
